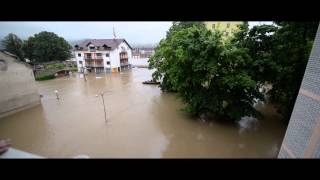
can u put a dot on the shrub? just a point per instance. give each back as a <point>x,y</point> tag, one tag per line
<point>45,77</point>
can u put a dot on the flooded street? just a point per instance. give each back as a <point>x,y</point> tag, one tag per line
<point>142,122</point>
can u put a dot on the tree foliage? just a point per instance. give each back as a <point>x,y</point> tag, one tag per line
<point>207,74</point>
<point>13,44</point>
<point>47,46</point>
<point>280,53</point>
<point>223,78</point>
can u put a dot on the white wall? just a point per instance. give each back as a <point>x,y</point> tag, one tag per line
<point>79,59</point>
<point>115,58</point>
<point>105,59</point>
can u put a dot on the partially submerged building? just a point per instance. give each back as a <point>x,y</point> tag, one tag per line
<point>142,51</point>
<point>17,85</point>
<point>103,55</point>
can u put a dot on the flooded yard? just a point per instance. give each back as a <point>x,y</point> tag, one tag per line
<point>142,122</point>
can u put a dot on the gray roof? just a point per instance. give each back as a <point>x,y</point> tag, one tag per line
<point>112,43</point>
<point>8,54</point>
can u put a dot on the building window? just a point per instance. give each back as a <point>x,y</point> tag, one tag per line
<point>228,25</point>
<point>107,55</point>
<point>213,26</point>
<point>108,62</point>
<point>79,54</point>
<point>80,62</point>
<point>99,54</point>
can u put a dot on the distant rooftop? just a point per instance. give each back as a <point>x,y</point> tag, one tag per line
<point>111,43</point>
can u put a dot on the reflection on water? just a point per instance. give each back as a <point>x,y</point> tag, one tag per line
<point>142,122</point>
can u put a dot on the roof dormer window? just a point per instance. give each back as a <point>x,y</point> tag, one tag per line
<point>91,47</point>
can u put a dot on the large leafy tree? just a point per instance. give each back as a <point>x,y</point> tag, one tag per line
<point>210,76</point>
<point>13,44</point>
<point>280,53</point>
<point>47,46</point>
<point>291,51</point>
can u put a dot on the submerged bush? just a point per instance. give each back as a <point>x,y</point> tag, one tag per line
<point>44,77</point>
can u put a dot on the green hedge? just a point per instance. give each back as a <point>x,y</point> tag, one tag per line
<point>73,69</point>
<point>45,77</point>
<point>56,66</point>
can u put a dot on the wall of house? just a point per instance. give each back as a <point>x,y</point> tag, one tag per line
<point>79,59</point>
<point>17,86</point>
<point>115,58</point>
<point>106,59</point>
<point>127,48</point>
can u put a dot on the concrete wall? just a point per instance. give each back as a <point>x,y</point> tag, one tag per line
<point>17,86</point>
<point>302,138</point>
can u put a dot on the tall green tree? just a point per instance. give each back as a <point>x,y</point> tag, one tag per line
<point>292,47</point>
<point>280,53</point>
<point>208,75</point>
<point>47,46</point>
<point>13,44</point>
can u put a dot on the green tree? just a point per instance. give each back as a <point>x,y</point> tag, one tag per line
<point>280,53</point>
<point>13,44</point>
<point>47,46</point>
<point>291,51</point>
<point>210,76</point>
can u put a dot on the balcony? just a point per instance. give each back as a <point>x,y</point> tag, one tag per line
<point>93,58</point>
<point>94,65</point>
<point>124,64</point>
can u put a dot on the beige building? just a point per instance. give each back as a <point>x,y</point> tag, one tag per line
<point>17,85</point>
<point>226,27</point>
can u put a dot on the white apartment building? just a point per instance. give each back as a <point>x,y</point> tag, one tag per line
<point>103,55</point>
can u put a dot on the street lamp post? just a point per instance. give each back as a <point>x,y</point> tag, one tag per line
<point>57,95</point>
<point>104,106</point>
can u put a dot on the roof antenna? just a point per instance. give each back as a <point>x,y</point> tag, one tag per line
<point>114,34</point>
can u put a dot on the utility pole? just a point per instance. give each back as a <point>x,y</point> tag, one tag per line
<point>104,106</point>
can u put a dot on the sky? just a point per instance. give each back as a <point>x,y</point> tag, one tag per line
<point>134,32</point>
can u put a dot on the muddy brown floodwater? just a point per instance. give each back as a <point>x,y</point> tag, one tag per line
<point>142,122</point>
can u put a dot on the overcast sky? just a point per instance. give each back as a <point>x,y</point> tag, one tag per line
<point>133,32</point>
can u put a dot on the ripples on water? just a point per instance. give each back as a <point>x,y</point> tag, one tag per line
<point>142,122</point>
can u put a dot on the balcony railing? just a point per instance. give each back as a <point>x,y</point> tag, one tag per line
<point>124,64</point>
<point>94,65</point>
<point>91,58</point>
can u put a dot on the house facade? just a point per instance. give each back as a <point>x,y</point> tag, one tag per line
<point>226,27</point>
<point>103,55</point>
